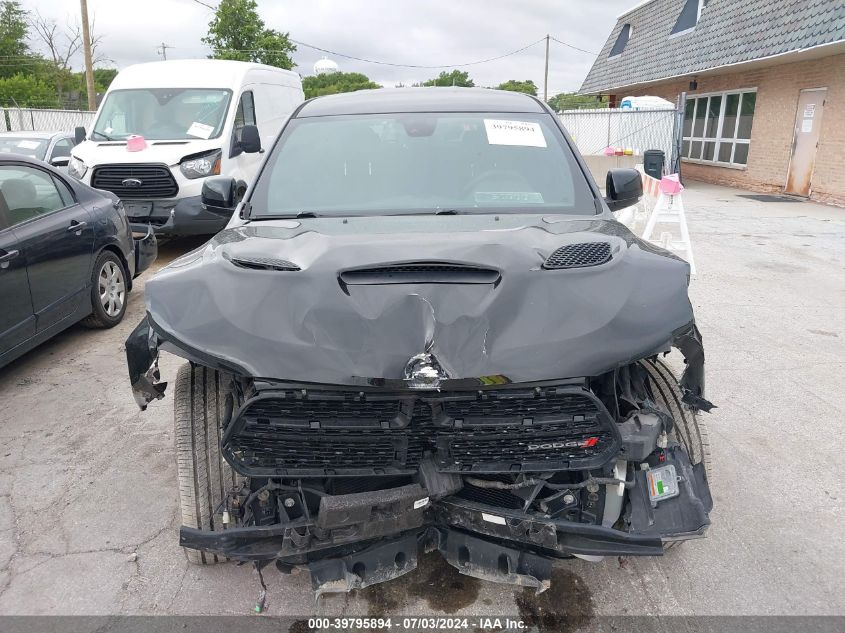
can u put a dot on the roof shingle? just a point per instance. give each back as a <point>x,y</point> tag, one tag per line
<point>728,32</point>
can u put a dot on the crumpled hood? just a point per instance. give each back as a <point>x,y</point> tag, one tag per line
<point>532,324</point>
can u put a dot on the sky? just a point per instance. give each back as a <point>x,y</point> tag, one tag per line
<point>412,32</point>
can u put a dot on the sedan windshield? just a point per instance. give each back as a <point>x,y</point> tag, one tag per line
<point>34,147</point>
<point>162,114</point>
<point>421,163</point>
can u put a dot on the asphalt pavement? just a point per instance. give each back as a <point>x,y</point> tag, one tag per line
<point>88,498</point>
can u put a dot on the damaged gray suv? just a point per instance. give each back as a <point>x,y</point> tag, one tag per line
<point>424,330</point>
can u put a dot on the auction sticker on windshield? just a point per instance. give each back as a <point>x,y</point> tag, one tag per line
<point>504,132</point>
<point>200,130</point>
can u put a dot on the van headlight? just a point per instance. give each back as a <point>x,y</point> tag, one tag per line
<point>76,168</point>
<point>207,164</point>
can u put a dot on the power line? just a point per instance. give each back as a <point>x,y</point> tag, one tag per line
<point>573,47</point>
<point>384,63</point>
<point>207,6</point>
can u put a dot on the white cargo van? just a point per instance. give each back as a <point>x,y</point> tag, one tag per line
<point>192,115</point>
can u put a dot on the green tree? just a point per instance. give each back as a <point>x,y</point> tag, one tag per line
<point>238,32</point>
<point>514,85</point>
<point>333,83</point>
<point>13,33</point>
<point>27,91</point>
<point>454,78</point>
<point>575,101</point>
<point>102,80</point>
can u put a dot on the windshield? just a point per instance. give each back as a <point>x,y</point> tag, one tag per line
<point>34,147</point>
<point>162,114</point>
<point>421,163</point>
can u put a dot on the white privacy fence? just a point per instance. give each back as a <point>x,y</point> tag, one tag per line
<point>636,130</point>
<point>33,120</point>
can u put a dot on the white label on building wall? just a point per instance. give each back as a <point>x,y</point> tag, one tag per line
<point>525,133</point>
<point>807,125</point>
<point>809,110</point>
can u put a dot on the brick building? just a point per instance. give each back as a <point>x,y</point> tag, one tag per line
<point>764,83</point>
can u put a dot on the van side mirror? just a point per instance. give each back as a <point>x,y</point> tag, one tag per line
<point>78,135</point>
<point>624,187</point>
<point>250,142</point>
<point>220,195</point>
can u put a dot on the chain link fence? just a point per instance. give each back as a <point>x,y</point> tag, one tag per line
<point>35,120</point>
<point>634,130</point>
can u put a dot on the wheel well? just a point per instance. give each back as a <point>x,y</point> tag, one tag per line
<point>114,249</point>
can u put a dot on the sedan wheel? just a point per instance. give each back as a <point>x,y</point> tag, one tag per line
<point>109,291</point>
<point>112,288</point>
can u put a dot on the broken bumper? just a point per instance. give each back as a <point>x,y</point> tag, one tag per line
<point>146,249</point>
<point>520,553</point>
<point>367,538</point>
<point>182,217</point>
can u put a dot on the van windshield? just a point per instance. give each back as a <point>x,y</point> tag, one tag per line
<point>406,163</point>
<point>162,114</point>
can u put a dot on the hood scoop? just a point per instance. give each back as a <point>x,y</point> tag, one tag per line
<point>581,255</point>
<point>420,273</point>
<point>263,263</point>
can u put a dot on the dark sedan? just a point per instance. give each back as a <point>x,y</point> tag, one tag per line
<point>67,254</point>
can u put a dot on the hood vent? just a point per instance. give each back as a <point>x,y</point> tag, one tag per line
<point>264,263</point>
<point>579,256</point>
<point>421,273</point>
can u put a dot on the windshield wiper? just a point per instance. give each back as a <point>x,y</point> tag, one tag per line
<point>447,212</point>
<point>105,136</point>
<point>285,216</point>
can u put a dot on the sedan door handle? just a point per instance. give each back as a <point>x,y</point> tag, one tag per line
<point>75,226</point>
<point>6,257</point>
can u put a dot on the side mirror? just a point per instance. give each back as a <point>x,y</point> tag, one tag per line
<point>623,187</point>
<point>220,195</point>
<point>250,142</point>
<point>60,161</point>
<point>79,135</point>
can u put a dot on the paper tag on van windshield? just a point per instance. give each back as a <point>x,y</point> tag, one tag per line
<point>503,132</point>
<point>29,144</point>
<point>200,130</point>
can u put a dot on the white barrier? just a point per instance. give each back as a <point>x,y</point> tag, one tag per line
<point>668,210</point>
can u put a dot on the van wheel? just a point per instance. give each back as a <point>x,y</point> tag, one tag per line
<point>690,429</point>
<point>202,402</point>
<point>109,292</point>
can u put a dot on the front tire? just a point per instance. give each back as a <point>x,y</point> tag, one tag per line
<point>690,429</point>
<point>202,402</point>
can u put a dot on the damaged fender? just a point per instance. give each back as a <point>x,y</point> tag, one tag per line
<point>142,362</point>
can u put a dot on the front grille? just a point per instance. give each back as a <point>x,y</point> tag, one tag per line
<point>579,256</point>
<point>320,432</point>
<point>156,181</point>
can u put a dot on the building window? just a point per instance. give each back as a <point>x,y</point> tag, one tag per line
<point>621,41</point>
<point>717,128</point>
<point>689,17</point>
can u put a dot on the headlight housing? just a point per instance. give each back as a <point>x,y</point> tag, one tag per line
<point>76,168</point>
<point>202,165</point>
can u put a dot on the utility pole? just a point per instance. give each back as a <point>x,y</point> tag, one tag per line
<point>163,50</point>
<point>89,64</point>
<point>546,81</point>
